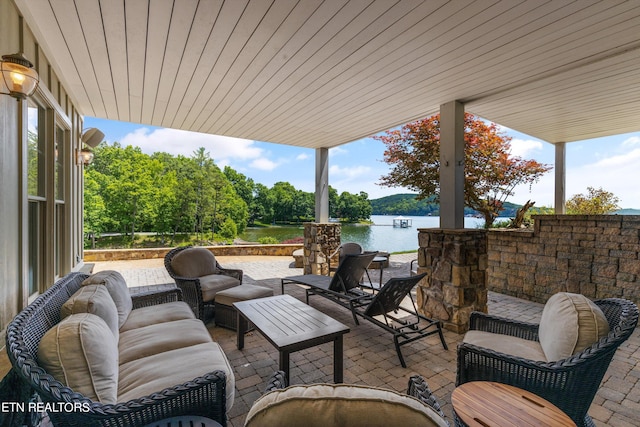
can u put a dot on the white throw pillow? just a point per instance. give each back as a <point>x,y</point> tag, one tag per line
<point>118,290</point>
<point>569,324</point>
<point>82,353</point>
<point>94,299</point>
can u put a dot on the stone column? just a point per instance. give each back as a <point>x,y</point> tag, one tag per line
<point>455,261</point>
<point>320,241</point>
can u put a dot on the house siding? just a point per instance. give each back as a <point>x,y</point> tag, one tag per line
<point>15,36</point>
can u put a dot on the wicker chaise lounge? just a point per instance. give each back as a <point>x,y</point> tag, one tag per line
<point>569,381</point>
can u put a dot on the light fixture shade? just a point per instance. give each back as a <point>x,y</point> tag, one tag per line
<point>92,137</point>
<point>18,76</point>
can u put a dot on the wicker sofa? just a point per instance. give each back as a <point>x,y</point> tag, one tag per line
<point>149,361</point>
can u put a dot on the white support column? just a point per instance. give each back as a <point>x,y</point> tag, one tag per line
<point>322,185</point>
<point>452,165</point>
<point>560,177</point>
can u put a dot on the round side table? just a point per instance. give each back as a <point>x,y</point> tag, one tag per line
<point>484,403</point>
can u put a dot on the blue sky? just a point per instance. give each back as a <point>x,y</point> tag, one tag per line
<point>612,163</point>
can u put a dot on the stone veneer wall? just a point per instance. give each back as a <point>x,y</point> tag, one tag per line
<point>455,285</point>
<point>595,255</point>
<point>96,255</point>
<point>320,241</point>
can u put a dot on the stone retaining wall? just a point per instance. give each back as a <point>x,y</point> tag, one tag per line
<point>455,263</point>
<point>595,255</point>
<point>96,255</point>
<point>320,241</point>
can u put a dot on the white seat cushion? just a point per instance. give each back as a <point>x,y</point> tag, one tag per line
<point>82,353</point>
<point>152,374</point>
<point>242,293</point>
<point>214,283</point>
<point>153,339</point>
<point>506,344</point>
<point>160,313</point>
<point>324,405</point>
<point>569,324</point>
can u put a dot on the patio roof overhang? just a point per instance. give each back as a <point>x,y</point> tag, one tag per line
<point>319,74</point>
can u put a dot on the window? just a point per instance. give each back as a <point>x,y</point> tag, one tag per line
<point>61,143</point>
<point>36,189</point>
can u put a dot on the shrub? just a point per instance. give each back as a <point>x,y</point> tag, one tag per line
<point>268,240</point>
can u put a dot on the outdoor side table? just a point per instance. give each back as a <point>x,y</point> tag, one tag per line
<point>486,403</point>
<point>291,325</point>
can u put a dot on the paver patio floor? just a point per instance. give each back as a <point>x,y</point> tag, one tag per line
<point>369,355</point>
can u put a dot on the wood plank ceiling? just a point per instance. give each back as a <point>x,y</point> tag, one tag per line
<point>315,73</point>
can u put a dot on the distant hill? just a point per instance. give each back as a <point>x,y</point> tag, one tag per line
<point>627,212</point>
<point>407,204</point>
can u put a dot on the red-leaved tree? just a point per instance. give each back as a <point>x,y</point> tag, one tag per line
<point>491,172</point>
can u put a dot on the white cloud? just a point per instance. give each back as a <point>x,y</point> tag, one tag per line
<point>336,151</point>
<point>614,174</point>
<point>525,148</point>
<point>631,141</point>
<point>264,164</point>
<point>354,172</point>
<point>302,156</point>
<point>182,142</point>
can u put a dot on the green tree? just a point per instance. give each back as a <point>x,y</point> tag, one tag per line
<point>95,211</point>
<point>354,207</point>
<point>129,191</point>
<point>491,172</point>
<point>595,202</point>
<point>283,193</point>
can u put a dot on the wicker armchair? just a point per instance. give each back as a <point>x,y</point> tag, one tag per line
<point>570,383</point>
<point>204,396</point>
<point>198,290</point>
<point>417,389</point>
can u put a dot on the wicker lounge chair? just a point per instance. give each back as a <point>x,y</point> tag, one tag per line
<point>343,286</point>
<point>385,308</point>
<point>343,404</point>
<point>570,383</point>
<point>199,275</point>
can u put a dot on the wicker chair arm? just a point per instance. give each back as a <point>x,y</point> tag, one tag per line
<point>191,294</point>
<point>146,299</point>
<point>500,325</point>
<point>277,381</point>
<point>235,273</point>
<point>419,389</point>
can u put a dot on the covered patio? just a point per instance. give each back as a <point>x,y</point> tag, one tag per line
<point>369,355</point>
<point>313,74</point>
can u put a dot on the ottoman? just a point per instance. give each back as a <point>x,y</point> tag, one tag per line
<point>226,315</point>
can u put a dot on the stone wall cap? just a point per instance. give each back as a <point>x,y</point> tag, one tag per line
<point>453,230</point>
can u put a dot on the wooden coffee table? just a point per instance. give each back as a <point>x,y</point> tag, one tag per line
<point>485,403</point>
<point>291,325</point>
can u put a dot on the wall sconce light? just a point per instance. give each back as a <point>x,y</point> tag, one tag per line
<point>17,76</point>
<point>84,157</point>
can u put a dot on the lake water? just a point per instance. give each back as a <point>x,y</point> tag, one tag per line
<point>380,236</point>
